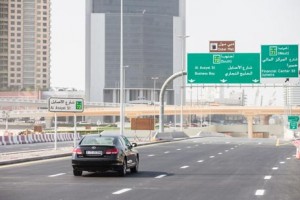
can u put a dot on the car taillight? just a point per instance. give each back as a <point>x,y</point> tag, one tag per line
<point>112,151</point>
<point>77,151</point>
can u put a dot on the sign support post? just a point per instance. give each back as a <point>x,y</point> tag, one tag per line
<point>55,131</point>
<point>75,130</point>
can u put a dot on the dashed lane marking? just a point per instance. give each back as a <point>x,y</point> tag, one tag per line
<point>151,155</point>
<point>260,192</point>
<point>220,153</point>
<point>275,168</point>
<point>211,156</point>
<point>184,167</point>
<point>122,191</point>
<point>200,161</point>
<point>161,176</point>
<point>282,162</point>
<point>167,152</point>
<point>267,177</point>
<point>288,158</point>
<point>178,149</point>
<point>55,175</point>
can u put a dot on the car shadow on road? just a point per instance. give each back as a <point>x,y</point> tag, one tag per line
<point>140,174</point>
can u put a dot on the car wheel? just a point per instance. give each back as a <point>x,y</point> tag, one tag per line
<point>77,172</point>
<point>123,170</point>
<point>135,169</point>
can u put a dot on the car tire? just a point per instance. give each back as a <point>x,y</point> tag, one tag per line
<point>123,170</point>
<point>77,172</point>
<point>135,169</point>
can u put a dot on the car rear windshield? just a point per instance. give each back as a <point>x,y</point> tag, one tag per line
<point>106,141</point>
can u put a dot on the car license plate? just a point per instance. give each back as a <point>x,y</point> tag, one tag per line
<point>96,153</point>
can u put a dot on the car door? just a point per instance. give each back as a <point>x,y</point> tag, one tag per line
<point>130,152</point>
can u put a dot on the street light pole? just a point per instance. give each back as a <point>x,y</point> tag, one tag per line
<point>121,72</point>
<point>153,97</point>
<point>183,37</point>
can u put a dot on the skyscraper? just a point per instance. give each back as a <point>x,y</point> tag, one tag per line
<point>24,44</point>
<point>152,48</point>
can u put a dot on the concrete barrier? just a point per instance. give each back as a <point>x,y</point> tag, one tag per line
<point>37,138</point>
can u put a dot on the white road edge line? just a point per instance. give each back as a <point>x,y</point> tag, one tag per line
<point>55,175</point>
<point>161,176</point>
<point>267,177</point>
<point>260,192</point>
<point>184,167</point>
<point>122,191</point>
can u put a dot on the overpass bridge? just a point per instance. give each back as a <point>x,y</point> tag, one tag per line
<point>249,112</point>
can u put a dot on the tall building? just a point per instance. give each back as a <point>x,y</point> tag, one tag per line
<point>24,45</point>
<point>152,49</point>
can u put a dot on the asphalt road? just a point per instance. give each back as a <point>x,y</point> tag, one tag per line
<point>194,169</point>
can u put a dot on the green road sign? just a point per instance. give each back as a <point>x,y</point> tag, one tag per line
<point>293,125</point>
<point>279,61</point>
<point>78,105</point>
<point>223,68</point>
<point>293,118</point>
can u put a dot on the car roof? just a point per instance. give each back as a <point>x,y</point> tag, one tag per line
<point>103,134</point>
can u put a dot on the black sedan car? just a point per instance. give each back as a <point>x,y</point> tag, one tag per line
<point>100,153</point>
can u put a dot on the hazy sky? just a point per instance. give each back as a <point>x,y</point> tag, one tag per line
<point>250,23</point>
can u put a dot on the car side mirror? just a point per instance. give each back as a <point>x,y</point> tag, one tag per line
<point>134,144</point>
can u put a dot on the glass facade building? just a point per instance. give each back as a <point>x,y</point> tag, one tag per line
<point>151,48</point>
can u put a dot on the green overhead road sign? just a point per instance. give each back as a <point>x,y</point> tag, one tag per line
<point>223,68</point>
<point>293,118</point>
<point>279,61</point>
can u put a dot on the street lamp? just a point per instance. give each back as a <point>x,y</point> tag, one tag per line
<point>153,97</point>
<point>126,66</point>
<point>121,71</point>
<point>183,37</point>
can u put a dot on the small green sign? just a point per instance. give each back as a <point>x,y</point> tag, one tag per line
<point>293,118</point>
<point>279,61</point>
<point>78,105</point>
<point>223,68</point>
<point>293,125</point>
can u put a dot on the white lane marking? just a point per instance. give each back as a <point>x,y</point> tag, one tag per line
<point>231,148</point>
<point>211,156</point>
<point>227,142</point>
<point>122,191</point>
<point>178,149</point>
<point>259,143</point>
<point>275,168</point>
<point>260,192</point>
<point>167,151</point>
<point>197,145</point>
<point>188,147</point>
<point>267,177</point>
<point>226,150</point>
<point>220,153</point>
<point>184,167</point>
<point>200,161</point>
<point>288,158</point>
<point>55,175</point>
<point>151,155</point>
<point>282,162</point>
<point>161,176</point>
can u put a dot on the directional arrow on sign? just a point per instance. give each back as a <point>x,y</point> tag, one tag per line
<point>223,81</point>
<point>191,80</point>
<point>255,80</point>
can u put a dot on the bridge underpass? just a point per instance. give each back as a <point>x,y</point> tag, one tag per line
<point>149,110</point>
